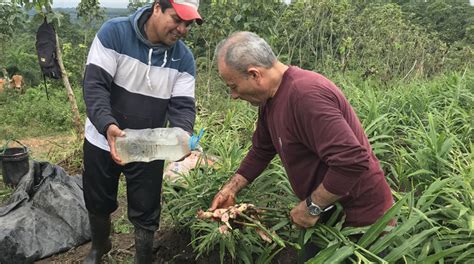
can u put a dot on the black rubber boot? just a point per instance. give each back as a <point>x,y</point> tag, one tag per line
<point>100,232</point>
<point>143,246</point>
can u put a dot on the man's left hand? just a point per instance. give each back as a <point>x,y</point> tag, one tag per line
<point>300,216</point>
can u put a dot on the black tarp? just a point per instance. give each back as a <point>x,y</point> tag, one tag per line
<point>45,215</point>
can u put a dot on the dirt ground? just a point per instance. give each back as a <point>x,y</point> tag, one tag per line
<point>42,148</point>
<point>170,246</point>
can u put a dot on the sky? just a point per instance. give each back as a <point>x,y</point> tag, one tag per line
<point>110,3</point>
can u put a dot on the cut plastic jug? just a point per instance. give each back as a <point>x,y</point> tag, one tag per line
<point>145,145</point>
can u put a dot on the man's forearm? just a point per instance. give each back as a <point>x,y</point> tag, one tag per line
<point>323,197</point>
<point>236,183</point>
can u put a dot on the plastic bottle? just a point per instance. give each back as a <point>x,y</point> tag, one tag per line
<point>155,144</point>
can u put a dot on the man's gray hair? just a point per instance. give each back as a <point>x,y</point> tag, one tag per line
<point>244,49</point>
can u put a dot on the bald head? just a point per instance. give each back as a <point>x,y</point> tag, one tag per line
<point>244,49</point>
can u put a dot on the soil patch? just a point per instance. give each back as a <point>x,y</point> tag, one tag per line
<point>43,148</point>
<point>170,247</point>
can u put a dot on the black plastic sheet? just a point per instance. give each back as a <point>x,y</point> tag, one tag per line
<point>45,215</point>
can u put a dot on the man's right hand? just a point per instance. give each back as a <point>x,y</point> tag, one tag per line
<point>226,196</point>
<point>114,131</point>
<point>223,199</point>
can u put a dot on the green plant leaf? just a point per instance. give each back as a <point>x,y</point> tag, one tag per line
<point>409,244</point>
<point>341,254</point>
<point>446,252</point>
<point>324,254</point>
<point>378,227</point>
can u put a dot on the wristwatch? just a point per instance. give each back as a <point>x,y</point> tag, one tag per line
<point>314,209</point>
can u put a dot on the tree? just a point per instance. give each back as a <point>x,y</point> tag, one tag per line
<point>44,7</point>
<point>133,5</point>
<point>90,12</point>
<point>12,18</point>
<point>450,18</point>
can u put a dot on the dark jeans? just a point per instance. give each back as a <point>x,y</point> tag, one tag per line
<point>100,182</point>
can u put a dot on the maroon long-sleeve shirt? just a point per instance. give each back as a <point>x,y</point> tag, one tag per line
<point>319,139</point>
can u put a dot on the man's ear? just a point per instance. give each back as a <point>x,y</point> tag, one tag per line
<point>254,73</point>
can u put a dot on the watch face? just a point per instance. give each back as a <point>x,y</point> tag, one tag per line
<point>313,209</point>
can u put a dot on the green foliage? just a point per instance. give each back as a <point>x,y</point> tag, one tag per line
<point>122,225</point>
<point>133,5</point>
<point>31,114</point>
<point>12,18</point>
<point>451,19</point>
<point>5,191</point>
<point>90,10</point>
<point>375,40</point>
<point>380,54</point>
<point>419,132</point>
<point>22,60</point>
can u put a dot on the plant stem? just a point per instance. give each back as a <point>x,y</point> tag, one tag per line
<point>275,238</point>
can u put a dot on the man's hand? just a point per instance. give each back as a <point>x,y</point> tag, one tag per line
<point>223,199</point>
<point>226,196</point>
<point>114,131</point>
<point>300,216</point>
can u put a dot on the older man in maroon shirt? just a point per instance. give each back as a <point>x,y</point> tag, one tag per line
<point>306,119</point>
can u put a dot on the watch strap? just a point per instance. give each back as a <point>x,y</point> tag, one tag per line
<point>309,203</point>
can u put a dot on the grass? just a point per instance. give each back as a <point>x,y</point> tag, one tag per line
<point>420,131</point>
<point>33,115</point>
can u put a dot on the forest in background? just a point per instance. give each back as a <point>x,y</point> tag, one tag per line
<point>383,40</point>
<point>406,67</point>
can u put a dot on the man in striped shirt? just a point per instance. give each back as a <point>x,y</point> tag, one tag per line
<point>139,74</point>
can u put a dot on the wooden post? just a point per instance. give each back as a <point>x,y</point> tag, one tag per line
<point>79,127</point>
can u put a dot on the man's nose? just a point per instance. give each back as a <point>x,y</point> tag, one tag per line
<point>182,28</point>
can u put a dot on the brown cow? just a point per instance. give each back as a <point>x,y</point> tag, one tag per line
<point>17,82</point>
<point>2,83</point>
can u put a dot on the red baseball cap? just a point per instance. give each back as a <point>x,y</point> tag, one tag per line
<point>187,10</point>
